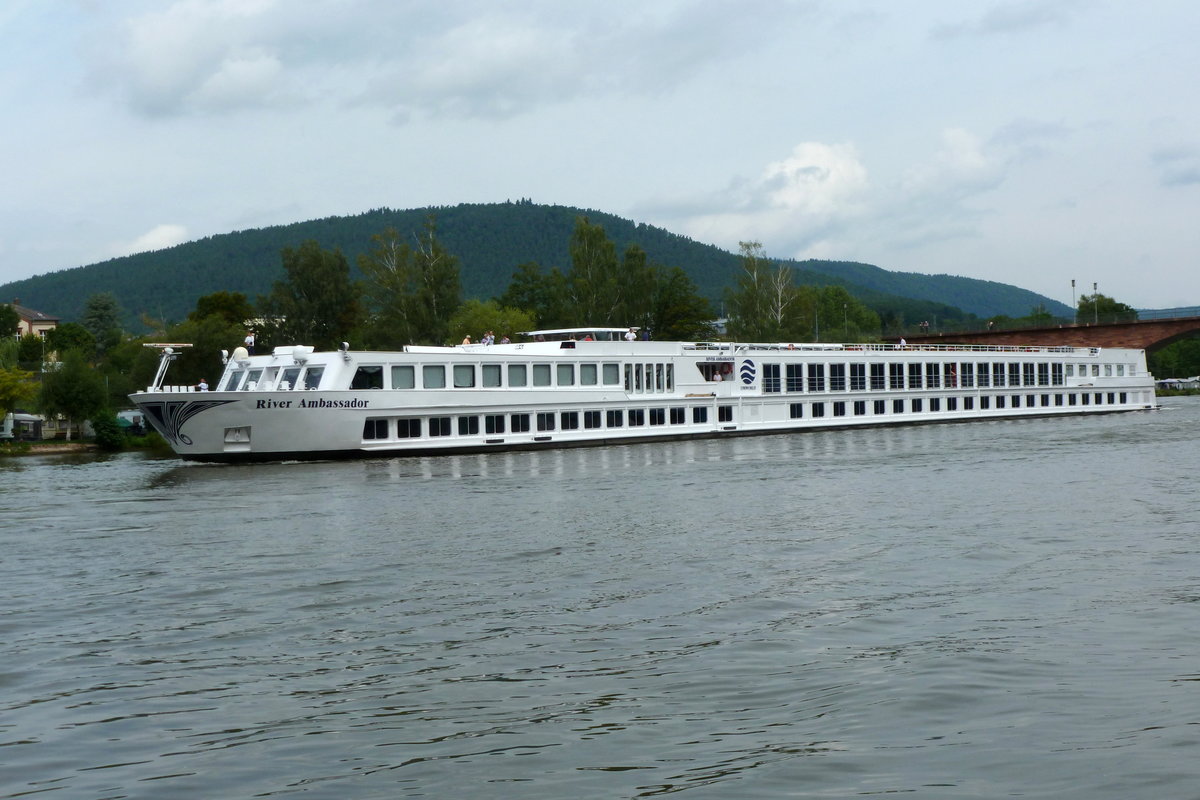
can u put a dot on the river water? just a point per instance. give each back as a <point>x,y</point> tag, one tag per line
<point>984,610</point>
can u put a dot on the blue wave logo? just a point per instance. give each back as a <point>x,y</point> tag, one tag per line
<point>747,372</point>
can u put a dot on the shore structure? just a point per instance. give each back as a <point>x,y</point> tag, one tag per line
<point>592,386</point>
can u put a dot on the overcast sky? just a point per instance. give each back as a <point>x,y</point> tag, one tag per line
<point>1025,141</point>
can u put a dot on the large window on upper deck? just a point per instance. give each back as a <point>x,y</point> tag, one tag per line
<point>312,377</point>
<point>288,381</point>
<point>367,377</point>
<point>566,374</point>
<point>433,376</point>
<point>404,376</point>
<point>541,374</point>
<point>612,374</point>
<point>464,376</point>
<point>518,375</point>
<point>588,375</point>
<point>491,375</point>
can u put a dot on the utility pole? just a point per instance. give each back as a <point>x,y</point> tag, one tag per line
<point>1074,305</point>
<point>1095,305</point>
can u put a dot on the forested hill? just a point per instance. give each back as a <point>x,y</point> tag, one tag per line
<point>490,240</point>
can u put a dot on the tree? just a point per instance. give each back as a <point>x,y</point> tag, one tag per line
<point>476,317</point>
<point>74,390</point>
<point>102,318</point>
<point>1101,308</point>
<point>9,320</point>
<point>763,306</point>
<point>411,292</point>
<point>71,336</point>
<point>542,294</point>
<point>233,307</point>
<point>678,312</point>
<point>592,286</point>
<point>315,304</point>
<point>16,389</point>
<point>31,351</point>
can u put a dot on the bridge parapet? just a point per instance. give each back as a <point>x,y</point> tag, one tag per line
<point>1145,334</point>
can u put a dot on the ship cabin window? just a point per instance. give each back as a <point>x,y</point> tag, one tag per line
<point>860,408</point>
<point>541,374</point>
<point>232,382</point>
<point>611,373</point>
<point>880,407</point>
<point>935,404</point>
<point>796,410</point>
<point>1108,370</point>
<point>999,401</point>
<point>409,428</point>
<point>1043,373</point>
<point>914,376</point>
<point>517,375</point>
<point>968,404</point>
<point>816,377</point>
<point>952,404</point>
<point>367,377</point>
<point>520,423</point>
<point>916,405</point>
<point>404,376</point>
<point>1095,370</point>
<point>493,423</point>
<point>818,409</point>
<point>725,413</point>
<point>985,402</point>
<point>677,416</point>
<point>1121,370</point>
<point>491,375</point>
<point>699,414</point>
<point>968,375</point>
<point>288,381</point>
<point>545,421</point>
<point>858,377</point>
<point>591,419</point>
<point>588,375</point>
<point>569,420</point>
<point>439,426</point>
<point>1058,399</point>
<point>637,417</point>
<point>932,376</point>
<point>312,377</point>
<point>1056,374</point>
<point>375,429</point>
<point>614,418</point>
<point>1045,400</point>
<point>464,376</point>
<point>1085,398</point>
<point>252,380</point>
<point>1030,400</point>
<point>950,375</point>
<point>895,376</point>
<point>658,416</point>
<point>566,374</point>
<point>898,406</point>
<point>837,377</point>
<point>1070,370</point>
<point>794,377</point>
<point>771,378</point>
<point>877,380</point>
<point>468,426</point>
<point>433,376</point>
<point>985,377</point>
<point>1027,374</point>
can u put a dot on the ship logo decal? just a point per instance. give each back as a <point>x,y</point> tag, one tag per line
<point>747,372</point>
<point>168,416</point>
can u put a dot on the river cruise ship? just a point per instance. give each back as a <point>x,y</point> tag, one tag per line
<point>565,388</point>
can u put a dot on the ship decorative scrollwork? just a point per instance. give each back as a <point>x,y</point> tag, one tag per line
<point>168,416</point>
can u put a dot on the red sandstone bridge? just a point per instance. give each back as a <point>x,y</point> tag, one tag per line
<point>1149,332</point>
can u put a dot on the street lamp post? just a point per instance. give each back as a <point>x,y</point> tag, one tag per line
<point>1095,305</point>
<point>1074,305</point>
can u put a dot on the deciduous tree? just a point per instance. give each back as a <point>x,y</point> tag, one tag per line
<point>73,390</point>
<point>316,303</point>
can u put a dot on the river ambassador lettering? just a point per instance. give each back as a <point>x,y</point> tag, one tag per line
<point>356,403</point>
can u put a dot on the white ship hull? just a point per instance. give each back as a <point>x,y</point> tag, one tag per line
<point>478,398</point>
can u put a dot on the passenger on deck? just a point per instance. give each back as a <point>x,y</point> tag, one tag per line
<point>467,339</point>
<point>631,336</point>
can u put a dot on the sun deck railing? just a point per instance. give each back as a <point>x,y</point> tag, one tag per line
<point>893,348</point>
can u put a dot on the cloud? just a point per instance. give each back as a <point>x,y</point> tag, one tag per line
<point>458,59</point>
<point>1177,166</point>
<point>820,202</point>
<point>159,237</point>
<point>1012,17</point>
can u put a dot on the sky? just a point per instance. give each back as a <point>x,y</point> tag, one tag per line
<point>1031,142</point>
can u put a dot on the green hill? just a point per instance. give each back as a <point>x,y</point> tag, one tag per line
<point>490,240</point>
